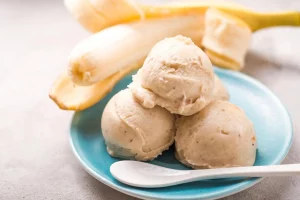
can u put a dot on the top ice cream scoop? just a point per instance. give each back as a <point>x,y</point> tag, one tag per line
<point>176,75</point>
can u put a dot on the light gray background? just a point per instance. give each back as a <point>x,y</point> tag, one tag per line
<point>35,157</point>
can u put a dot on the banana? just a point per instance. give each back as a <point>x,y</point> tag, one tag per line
<point>226,39</point>
<point>117,63</point>
<point>118,47</point>
<point>255,20</point>
<point>85,14</point>
<point>96,15</point>
<point>99,62</point>
<point>69,96</point>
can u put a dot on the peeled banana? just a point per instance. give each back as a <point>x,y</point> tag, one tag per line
<point>226,39</point>
<point>69,96</point>
<point>120,46</point>
<point>96,15</point>
<point>117,62</point>
<point>99,62</point>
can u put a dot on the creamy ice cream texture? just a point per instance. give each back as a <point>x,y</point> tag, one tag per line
<point>220,91</point>
<point>176,75</point>
<point>134,132</point>
<point>218,136</point>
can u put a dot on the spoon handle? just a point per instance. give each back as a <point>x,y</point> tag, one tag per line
<point>140,174</point>
<point>253,171</point>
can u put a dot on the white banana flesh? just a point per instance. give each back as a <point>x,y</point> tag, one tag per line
<point>226,39</point>
<point>70,96</point>
<point>95,15</point>
<point>85,14</point>
<point>120,46</point>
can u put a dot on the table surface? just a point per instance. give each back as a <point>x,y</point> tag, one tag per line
<point>36,161</point>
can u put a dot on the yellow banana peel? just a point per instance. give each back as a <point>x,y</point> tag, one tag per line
<point>222,61</point>
<point>96,15</point>
<point>255,20</point>
<point>69,96</point>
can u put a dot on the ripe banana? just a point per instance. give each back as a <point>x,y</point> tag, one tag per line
<point>96,15</point>
<point>226,39</point>
<point>120,46</point>
<point>69,96</point>
<point>120,60</point>
<point>97,66</point>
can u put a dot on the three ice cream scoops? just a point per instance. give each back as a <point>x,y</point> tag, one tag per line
<point>124,31</point>
<point>97,63</point>
<point>176,97</point>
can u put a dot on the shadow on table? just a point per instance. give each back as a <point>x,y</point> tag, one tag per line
<point>258,66</point>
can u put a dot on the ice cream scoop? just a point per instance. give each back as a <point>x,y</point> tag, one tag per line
<point>134,132</point>
<point>220,135</point>
<point>220,91</point>
<point>176,75</point>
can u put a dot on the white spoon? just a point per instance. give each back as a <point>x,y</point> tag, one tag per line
<point>140,174</point>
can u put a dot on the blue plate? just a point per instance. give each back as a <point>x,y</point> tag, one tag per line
<point>270,118</point>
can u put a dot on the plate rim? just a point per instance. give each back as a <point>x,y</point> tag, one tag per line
<point>245,185</point>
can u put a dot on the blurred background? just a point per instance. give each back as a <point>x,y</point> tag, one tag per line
<point>36,162</point>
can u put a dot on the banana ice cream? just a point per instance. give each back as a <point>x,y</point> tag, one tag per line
<point>220,92</point>
<point>134,132</point>
<point>176,75</point>
<point>218,136</point>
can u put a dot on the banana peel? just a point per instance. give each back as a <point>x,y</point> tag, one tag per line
<point>255,20</point>
<point>99,14</point>
<point>69,96</point>
<point>96,15</point>
<point>222,61</point>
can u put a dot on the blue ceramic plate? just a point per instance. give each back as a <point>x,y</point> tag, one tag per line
<point>270,118</point>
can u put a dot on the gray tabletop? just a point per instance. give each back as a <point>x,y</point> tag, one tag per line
<point>36,161</point>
